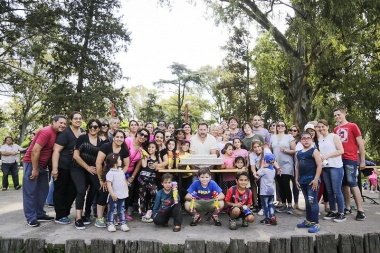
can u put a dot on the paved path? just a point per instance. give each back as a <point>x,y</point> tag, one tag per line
<point>13,224</point>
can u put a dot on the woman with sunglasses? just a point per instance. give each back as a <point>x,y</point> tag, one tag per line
<point>117,146</point>
<point>103,132</point>
<point>294,130</point>
<point>283,147</point>
<point>135,146</point>
<point>84,172</point>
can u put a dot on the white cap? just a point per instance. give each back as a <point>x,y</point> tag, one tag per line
<point>308,125</point>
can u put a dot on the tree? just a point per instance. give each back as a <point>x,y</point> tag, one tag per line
<point>151,111</point>
<point>185,79</point>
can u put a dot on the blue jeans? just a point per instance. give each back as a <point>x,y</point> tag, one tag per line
<point>116,206</point>
<point>311,202</point>
<point>267,204</point>
<point>333,183</point>
<point>11,168</point>
<point>350,170</point>
<point>34,192</point>
<point>49,199</point>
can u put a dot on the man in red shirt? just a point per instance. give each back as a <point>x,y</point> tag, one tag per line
<point>35,180</point>
<point>352,141</point>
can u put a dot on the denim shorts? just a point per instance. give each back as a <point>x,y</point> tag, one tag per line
<point>350,173</point>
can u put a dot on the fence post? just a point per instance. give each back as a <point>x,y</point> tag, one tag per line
<point>101,246</point>
<point>371,243</point>
<point>302,243</point>
<point>280,245</point>
<point>216,247</point>
<point>258,247</point>
<point>11,245</point>
<point>195,246</point>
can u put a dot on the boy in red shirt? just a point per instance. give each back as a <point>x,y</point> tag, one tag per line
<point>239,200</point>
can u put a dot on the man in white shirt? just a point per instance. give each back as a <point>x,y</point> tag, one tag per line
<point>203,143</point>
<point>10,156</point>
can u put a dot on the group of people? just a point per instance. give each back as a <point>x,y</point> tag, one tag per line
<point>106,168</point>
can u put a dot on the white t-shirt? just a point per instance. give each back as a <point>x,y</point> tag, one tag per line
<point>10,158</point>
<point>119,185</point>
<point>199,148</point>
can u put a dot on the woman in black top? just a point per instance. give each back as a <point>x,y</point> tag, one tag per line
<point>116,146</point>
<point>84,173</point>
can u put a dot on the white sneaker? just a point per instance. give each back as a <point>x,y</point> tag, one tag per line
<point>111,228</point>
<point>261,212</point>
<point>149,214</point>
<point>147,220</point>
<point>124,228</point>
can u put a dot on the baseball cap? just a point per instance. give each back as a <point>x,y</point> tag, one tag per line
<point>269,158</point>
<point>309,126</point>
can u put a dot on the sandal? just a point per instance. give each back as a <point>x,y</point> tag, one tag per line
<point>177,229</point>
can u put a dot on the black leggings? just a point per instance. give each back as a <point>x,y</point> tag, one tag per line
<point>285,191</point>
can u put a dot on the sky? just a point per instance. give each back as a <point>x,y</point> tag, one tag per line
<point>161,36</point>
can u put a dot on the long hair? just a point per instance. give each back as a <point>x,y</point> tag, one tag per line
<point>110,162</point>
<point>226,146</point>
<point>157,153</point>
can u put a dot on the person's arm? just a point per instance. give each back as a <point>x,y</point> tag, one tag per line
<point>135,172</point>
<point>213,152</point>
<point>110,190</point>
<point>162,165</point>
<point>35,157</point>
<point>221,196</point>
<point>55,158</point>
<point>360,142</point>
<point>157,203</point>
<point>318,161</point>
<point>296,173</point>
<point>8,153</point>
<point>188,197</point>
<point>292,149</point>
<point>99,168</point>
<point>339,149</point>
<point>126,165</point>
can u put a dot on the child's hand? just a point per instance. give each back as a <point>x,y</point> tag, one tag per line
<point>239,205</point>
<point>314,184</point>
<point>256,176</point>
<point>114,197</point>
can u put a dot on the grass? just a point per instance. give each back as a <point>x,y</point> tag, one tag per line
<point>10,180</point>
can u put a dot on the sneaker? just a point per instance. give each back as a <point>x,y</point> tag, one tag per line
<point>371,192</point>
<point>149,214</point>
<point>281,209</point>
<point>340,217</point>
<point>64,221</point>
<point>4,189</point>
<point>196,218</point>
<point>18,187</point>
<point>232,225</point>
<point>289,210</point>
<point>216,219</point>
<point>130,210</point>
<point>347,211</point>
<point>263,221</point>
<point>314,228</point>
<point>330,216</point>
<point>34,223</point>
<point>124,228</point>
<point>99,223</point>
<point>111,228</point>
<point>45,218</point>
<point>245,224</point>
<point>146,219</point>
<point>261,212</point>
<point>79,224</point>
<point>86,220</point>
<point>128,217</point>
<point>50,206</point>
<point>360,216</point>
<point>304,224</point>
<point>273,221</point>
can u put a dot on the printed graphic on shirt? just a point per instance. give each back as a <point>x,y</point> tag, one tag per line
<point>343,134</point>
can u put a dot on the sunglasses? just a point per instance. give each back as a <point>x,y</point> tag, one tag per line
<point>293,130</point>
<point>144,135</point>
<point>280,125</point>
<point>93,127</point>
<point>167,136</point>
<point>106,125</point>
<point>161,124</point>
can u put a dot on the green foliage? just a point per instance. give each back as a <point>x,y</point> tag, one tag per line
<point>151,111</point>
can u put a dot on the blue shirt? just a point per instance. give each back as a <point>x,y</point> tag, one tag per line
<point>307,168</point>
<point>204,192</point>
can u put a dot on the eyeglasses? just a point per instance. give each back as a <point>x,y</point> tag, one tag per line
<point>273,125</point>
<point>293,130</point>
<point>305,138</point>
<point>93,127</point>
<point>106,125</point>
<point>161,124</point>
<point>77,118</point>
<point>144,135</point>
<point>280,125</point>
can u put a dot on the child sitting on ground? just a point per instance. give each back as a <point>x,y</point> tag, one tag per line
<point>308,171</point>
<point>200,197</point>
<point>267,174</point>
<point>165,205</point>
<point>239,200</point>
